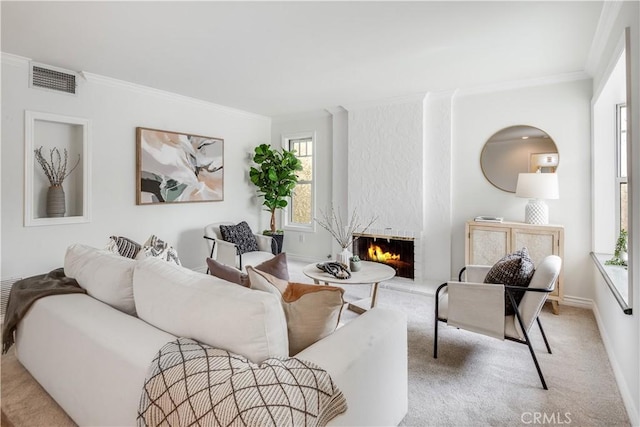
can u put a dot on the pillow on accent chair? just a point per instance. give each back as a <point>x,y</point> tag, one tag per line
<point>514,269</point>
<point>156,248</point>
<point>123,246</point>
<point>241,235</point>
<point>312,311</point>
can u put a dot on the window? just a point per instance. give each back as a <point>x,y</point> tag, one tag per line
<point>300,212</point>
<point>621,163</point>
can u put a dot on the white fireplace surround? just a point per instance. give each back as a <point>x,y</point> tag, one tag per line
<point>399,166</point>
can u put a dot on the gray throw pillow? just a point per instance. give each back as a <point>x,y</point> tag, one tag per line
<point>227,273</point>
<point>276,266</point>
<point>241,235</point>
<point>515,269</point>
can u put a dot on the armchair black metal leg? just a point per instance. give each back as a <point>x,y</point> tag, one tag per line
<point>527,341</point>
<point>213,245</point>
<point>435,322</point>
<point>544,336</point>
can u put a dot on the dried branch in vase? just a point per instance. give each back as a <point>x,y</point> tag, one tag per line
<point>55,168</point>
<point>340,230</point>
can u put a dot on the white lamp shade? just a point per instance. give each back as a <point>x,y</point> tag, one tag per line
<point>537,186</point>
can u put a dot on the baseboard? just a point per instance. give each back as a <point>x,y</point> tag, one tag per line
<point>578,302</point>
<point>627,398</point>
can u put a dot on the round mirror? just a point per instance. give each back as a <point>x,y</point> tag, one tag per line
<point>514,150</point>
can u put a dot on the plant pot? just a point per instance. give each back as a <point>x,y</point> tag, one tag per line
<point>276,243</point>
<point>55,201</point>
<point>355,265</point>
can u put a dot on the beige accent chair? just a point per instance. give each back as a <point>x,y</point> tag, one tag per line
<point>479,307</point>
<point>229,254</point>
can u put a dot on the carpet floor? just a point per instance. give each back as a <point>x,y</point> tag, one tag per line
<point>476,380</point>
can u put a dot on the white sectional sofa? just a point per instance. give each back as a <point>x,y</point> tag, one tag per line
<point>92,358</point>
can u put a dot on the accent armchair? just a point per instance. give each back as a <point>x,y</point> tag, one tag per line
<point>479,307</point>
<point>230,254</point>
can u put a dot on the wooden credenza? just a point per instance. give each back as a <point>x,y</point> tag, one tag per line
<point>487,242</point>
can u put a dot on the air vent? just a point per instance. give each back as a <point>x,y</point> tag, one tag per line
<point>52,78</point>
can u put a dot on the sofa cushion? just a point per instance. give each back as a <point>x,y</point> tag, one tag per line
<point>515,269</point>
<point>227,273</point>
<point>188,304</point>
<point>241,235</point>
<point>312,311</point>
<point>106,276</point>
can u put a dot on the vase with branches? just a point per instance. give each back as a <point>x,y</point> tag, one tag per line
<point>342,230</point>
<point>55,168</point>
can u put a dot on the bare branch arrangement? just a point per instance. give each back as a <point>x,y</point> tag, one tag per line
<point>55,168</point>
<point>340,230</point>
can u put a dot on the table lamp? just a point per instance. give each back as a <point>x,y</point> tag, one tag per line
<point>537,187</point>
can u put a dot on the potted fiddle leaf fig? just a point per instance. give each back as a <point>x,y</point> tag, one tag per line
<point>275,176</point>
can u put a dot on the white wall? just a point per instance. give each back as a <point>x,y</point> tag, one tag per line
<point>303,244</point>
<point>561,110</point>
<point>116,109</point>
<point>621,333</point>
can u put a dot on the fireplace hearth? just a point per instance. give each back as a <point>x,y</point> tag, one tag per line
<point>395,251</point>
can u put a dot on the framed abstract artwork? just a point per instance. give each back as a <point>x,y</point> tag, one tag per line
<point>174,167</point>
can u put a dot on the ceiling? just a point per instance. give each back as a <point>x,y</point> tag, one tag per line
<point>278,58</point>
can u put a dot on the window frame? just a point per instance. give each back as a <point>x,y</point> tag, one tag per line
<point>619,178</point>
<point>286,144</point>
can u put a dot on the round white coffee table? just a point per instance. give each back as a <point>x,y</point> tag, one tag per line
<point>370,273</point>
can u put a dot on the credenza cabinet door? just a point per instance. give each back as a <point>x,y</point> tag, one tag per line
<point>487,244</point>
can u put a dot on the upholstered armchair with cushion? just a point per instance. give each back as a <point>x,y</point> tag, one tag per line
<point>479,307</point>
<point>236,245</point>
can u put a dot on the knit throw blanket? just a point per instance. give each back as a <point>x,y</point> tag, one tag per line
<point>192,384</point>
<point>27,291</point>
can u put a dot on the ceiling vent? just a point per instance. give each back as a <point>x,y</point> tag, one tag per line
<point>52,78</point>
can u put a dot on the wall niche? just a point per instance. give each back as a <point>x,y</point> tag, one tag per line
<point>64,133</point>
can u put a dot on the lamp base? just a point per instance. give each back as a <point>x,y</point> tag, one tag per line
<point>536,212</point>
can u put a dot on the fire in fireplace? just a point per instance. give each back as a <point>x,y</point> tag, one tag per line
<point>397,252</point>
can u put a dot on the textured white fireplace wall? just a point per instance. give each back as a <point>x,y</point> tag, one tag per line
<point>436,241</point>
<point>385,163</point>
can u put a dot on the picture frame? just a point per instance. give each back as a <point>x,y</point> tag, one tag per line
<point>174,167</point>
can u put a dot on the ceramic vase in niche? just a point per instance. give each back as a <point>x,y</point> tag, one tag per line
<point>55,201</point>
<point>343,257</point>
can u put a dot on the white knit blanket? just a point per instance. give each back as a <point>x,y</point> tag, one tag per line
<point>192,384</point>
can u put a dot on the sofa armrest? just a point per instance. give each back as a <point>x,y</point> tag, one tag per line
<point>367,360</point>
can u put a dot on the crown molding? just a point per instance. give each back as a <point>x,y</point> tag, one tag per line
<point>608,15</point>
<point>16,60</point>
<point>523,84</point>
<point>387,101</point>
<point>171,96</point>
<point>305,115</point>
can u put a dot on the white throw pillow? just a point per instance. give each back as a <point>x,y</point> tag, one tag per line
<point>188,304</point>
<point>106,276</point>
